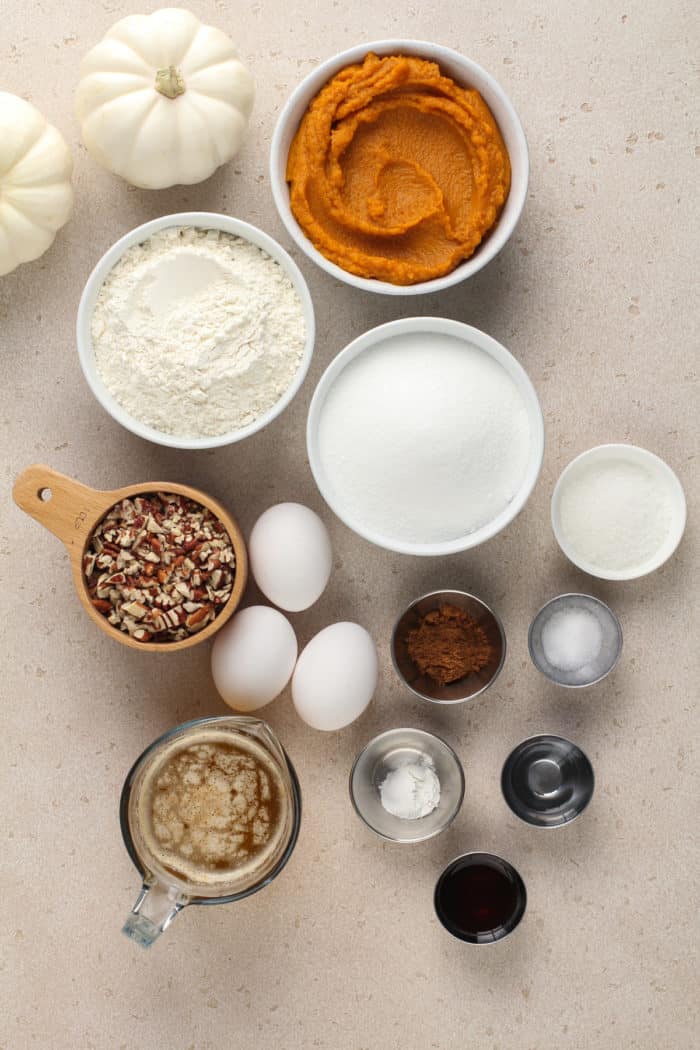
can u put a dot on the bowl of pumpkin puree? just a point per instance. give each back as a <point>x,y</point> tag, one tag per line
<point>399,167</point>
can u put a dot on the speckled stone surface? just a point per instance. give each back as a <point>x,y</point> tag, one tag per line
<point>596,297</point>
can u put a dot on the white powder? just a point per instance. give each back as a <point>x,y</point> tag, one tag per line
<point>615,515</point>
<point>424,439</point>
<point>412,791</point>
<point>572,639</point>
<point>197,332</point>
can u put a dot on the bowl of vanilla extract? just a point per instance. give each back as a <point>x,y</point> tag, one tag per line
<point>480,898</point>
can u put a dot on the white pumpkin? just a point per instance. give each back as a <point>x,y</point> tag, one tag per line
<point>36,197</point>
<point>163,99</point>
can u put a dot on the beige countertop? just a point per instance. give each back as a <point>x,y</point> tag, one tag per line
<point>596,296</point>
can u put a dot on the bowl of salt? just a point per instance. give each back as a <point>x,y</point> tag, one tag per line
<point>575,640</point>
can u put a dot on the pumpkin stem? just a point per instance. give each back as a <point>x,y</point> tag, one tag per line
<point>169,82</point>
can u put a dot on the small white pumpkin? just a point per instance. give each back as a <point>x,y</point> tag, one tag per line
<point>36,197</point>
<point>163,99</point>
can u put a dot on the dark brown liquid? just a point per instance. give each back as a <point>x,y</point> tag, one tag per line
<point>476,897</point>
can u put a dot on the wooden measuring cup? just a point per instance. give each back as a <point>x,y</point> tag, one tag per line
<point>73,511</point>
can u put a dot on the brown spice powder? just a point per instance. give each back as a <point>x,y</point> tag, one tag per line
<point>449,644</point>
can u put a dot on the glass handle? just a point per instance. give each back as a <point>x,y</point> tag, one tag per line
<point>263,732</point>
<point>155,908</point>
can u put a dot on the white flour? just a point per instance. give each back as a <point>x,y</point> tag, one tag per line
<point>424,439</point>
<point>197,332</point>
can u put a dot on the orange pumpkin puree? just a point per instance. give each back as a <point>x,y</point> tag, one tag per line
<point>396,172</point>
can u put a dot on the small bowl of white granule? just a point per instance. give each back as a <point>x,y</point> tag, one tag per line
<point>618,512</point>
<point>195,330</point>
<point>575,640</point>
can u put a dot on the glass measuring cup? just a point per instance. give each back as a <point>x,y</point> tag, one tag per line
<point>189,841</point>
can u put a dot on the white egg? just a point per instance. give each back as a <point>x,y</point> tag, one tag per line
<point>335,677</point>
<point>290,556</point>
<point>253,657</point>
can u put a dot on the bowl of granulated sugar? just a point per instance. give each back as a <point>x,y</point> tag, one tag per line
<point>425,436</point>
<point>618,512</point>
<point>195,330</point>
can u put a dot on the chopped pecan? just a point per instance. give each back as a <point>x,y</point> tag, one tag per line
<point>159,567</point>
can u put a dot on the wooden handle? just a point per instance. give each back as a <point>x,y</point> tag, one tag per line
<point>71,511</point>
<point>63,506</point>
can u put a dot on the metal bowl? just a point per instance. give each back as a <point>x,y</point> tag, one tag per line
<point>547,781</point>
<point>463,909</point>
<point>610,649</point>
<point>385,753</point>
<point>466,688</point>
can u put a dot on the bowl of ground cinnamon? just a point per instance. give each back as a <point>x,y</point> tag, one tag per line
<point>448,647</point>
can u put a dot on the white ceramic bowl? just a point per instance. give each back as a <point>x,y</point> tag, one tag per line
<point>464,72</point>
<point>470,336</point>
<point>667,480</point>
<point>207,221</point>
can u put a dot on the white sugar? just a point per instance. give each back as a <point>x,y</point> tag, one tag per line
<point>615,515</point>
<point>424,439</point>
<point>572,639</point>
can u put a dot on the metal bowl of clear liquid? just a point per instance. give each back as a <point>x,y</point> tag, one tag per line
<point>547,781</point>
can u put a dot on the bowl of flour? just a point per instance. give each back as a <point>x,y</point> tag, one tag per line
<point>195,330</point>
<point>425,436</point>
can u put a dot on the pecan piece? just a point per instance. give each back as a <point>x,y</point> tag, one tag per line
<point>154,566</point>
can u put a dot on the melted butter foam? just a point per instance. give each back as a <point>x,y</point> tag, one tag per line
<point>214,813</point>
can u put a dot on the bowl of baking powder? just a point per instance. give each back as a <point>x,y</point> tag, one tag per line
<point>195,330</point>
